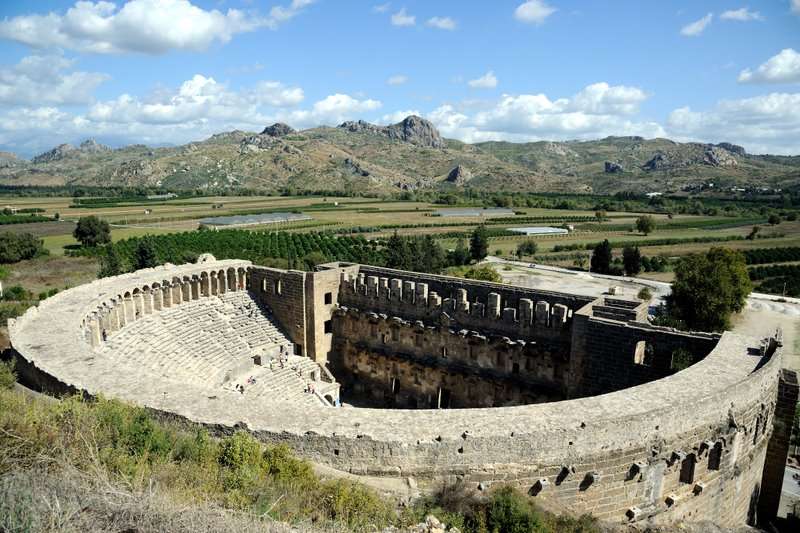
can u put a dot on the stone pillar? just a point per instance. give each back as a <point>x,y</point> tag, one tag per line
<point>525,311</point>
<point>542,313</point>
<point>434,300</point>
<point>396,288</point>
<point>205,285</point>
<point>778,446</point>
<point>383,288</point>
<point>158,299</point>
<point>560,312</point>
<point>421,294</point>
<point>222,282</point>
<point>167,290</point>
<point>409,289</point>
<point>147,298</point>
<point>130,312</point>
<point>477,309</point>
<point>372,286</point>
<point>138,306</point>
<point>214,284</point>
<point>113,318</point>
<point>360,286</point>
<point>493,305</point>
<point>94,332</point>
<point>195,288</point>
<point>177,293</point>
<point>509,315</point>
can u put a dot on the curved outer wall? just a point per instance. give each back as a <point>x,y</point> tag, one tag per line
<point>689,446</point>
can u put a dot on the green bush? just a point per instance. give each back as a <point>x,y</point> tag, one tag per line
<point>645,294</point>
<point>511,512</point>
<point>7,375</point>
<point>16,293</point>
<point>16,247</point>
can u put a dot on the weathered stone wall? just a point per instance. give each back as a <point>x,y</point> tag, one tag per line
<point>411,364</point>
<point>321,298</point>
<point>623,455</point>
<point>284,292</point>
<point>609,355</point>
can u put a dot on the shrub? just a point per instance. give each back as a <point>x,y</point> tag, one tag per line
<point>483,274</point>
<point>16,293</point>
<point>527,248</point>
<point>17,247</point>
<point>511,512</point>
<point>7,375</point>
<point>645,294</point>
<point>646,224</point>
<point>601,258</point>
<point>681,358</point>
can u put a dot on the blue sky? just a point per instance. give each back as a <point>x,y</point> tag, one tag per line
<point>173,71</point>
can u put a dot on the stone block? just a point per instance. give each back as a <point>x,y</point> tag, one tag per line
<point>542,313</point>
<point>372,286</point>
<point>409,290</point>
<point>525,311</point>
<point>396,289</point>
<point>509,315</point>
<point>560,312</point>
<point>493,305</point>
<point>422,294</point>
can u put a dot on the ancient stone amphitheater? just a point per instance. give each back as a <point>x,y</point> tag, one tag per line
<point>577,400</point>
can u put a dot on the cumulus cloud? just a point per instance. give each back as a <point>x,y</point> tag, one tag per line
<point>598,110</point>
<point>401,18</point>
<point>487,81</point>
<point>43,79</point>
<point>695,28</point>
<point>763,124</point>
<point>381,8</point>
<point>533,12</point>
<point>783,67</point>
<point>442,23</point>
<point>742,15</point>
<point>796,6</point>
<point>143,26</point>
<point>332,110</point>
<point>398,79</point>
<point>397,116</point>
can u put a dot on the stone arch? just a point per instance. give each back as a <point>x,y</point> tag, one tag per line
<point>205,284</point>
<point>222,282</point>
<point>127,306</point>
<point>147,299</point>
<point>214,283</point>
<point>194,283</point>
<point>241,279</point>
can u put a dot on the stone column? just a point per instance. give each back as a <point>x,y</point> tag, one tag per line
<point>372,286</point>
<point>525,311</point>
<point>493,305</point>
<point>422,294</point>
<point>195,288</point>
<point>409,289</point>
<point>158,299</point>
<point>542,313</point>
<point>383,288</point>
<point>560,312</point>
<point>509,315</point>
<point>94,332</point>
<point>167,290</point>
<point>148,301</point>
<point>396,288</point>
<point>434,300</point>
<point>205,285</point>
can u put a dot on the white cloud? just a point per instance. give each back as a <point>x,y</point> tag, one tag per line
<point>696,28</point>
<point>397,116</point>
<point>144,26</point>
<point>781,68</point>
<point>401,18</point>
<point>382,8</point>
<point>742,15</point>
<point>332,110</point>
<point>533,11</point>
<point>763,124</point>
<point>598,110</point>
<point>38,80</point>
<point>487,81</point>
<point>398,79</point>
<point>442,23</point>
<point>796,6</point>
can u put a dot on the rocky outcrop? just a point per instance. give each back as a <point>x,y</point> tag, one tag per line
<point>459,175</point>
<point>279,129</point>
<point>613,168</point>
<point>59,152</point>
<point>658,162</point>
<point>416,130</point>
<point>354,167</point>
<point>717,157</point>
<point>733,148</point>
<point>90,146</point>
<point>138,172</point>
<point>257,143</point>
<point>412,129</point>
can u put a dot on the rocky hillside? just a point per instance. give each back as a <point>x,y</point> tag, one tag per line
<point>409,155</point>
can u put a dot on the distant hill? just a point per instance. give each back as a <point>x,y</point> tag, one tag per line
<point>409,155</point>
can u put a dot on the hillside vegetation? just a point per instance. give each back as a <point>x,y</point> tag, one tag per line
<point>358,157</point>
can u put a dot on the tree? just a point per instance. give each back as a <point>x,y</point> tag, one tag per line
<point>145,254</point>
<point>484,273</point>
<point>312,259</point>
<point>110,263</point>
<point>527,248</point>
<point>631,260</point>
<point>91,231</point>
<point>16,247</point>
<point>774,219</point>
<point>397,253</point>
<point>753,233</point>
<point>600,215</point>
<point>645,294</point>
<point>646,224</point>
<point>459,256</point>
<point>708,288</point>
<point>479,243</point>
<point>601,258</point>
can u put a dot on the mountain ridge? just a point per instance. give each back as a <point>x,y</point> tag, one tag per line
<point>359,156</point>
